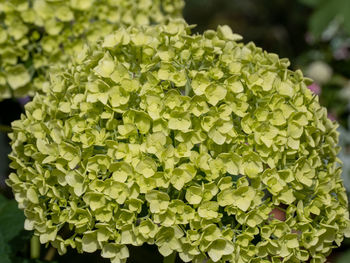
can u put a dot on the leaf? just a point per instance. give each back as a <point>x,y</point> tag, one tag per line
<point>11,219</point>
<point>4,250</point>
<point>344,258</point>
<point>324,14</point>
<point>311,3</point>
<point>170,259</point>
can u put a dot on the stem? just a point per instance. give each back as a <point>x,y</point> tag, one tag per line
<point>34,247</point>
<point>50,254</point>
<point>188,88</point>
<point>5,128</point>
<point>171,258</point>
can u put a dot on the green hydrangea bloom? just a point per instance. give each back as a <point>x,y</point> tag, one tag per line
<point>36,34</point>
<point>188,142</point>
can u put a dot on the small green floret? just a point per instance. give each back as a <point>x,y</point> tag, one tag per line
<point>38,34</point>
<point>189,142</point>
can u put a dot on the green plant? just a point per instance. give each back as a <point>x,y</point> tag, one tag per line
<point>37,34</point>
<point>185,141</point>
<point>12,238</point>
<point>334,12</point>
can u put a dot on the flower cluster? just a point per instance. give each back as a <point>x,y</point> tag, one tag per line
<point>185,141</point>
<point>36,34</point>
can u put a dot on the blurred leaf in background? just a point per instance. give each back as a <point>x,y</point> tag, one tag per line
<point>345,258</point>
<point>11,224</point>
<point>328,12</point>
<point>11,219</point>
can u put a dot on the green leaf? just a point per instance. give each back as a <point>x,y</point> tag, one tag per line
<point>311,3</point>
<point>170,259</point>
<point>4,250</point>
<point>344,258</point>
<point>323,15</point>
<point>11,219</point>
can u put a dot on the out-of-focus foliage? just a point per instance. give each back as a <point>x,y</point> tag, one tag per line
<point>38,34</point>
<point>11,226</point>
<point>184,141</point>
<point>345,258</point>
<point>327,12</point>
<point>11,219</point>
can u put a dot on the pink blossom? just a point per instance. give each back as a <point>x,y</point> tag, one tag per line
<point>315,88</point>
<point>332,116</point>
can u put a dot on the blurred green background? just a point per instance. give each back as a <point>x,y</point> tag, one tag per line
<point>313,34</point>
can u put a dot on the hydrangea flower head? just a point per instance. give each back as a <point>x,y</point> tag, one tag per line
<point>38,34</point>
<point>185,141</point>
